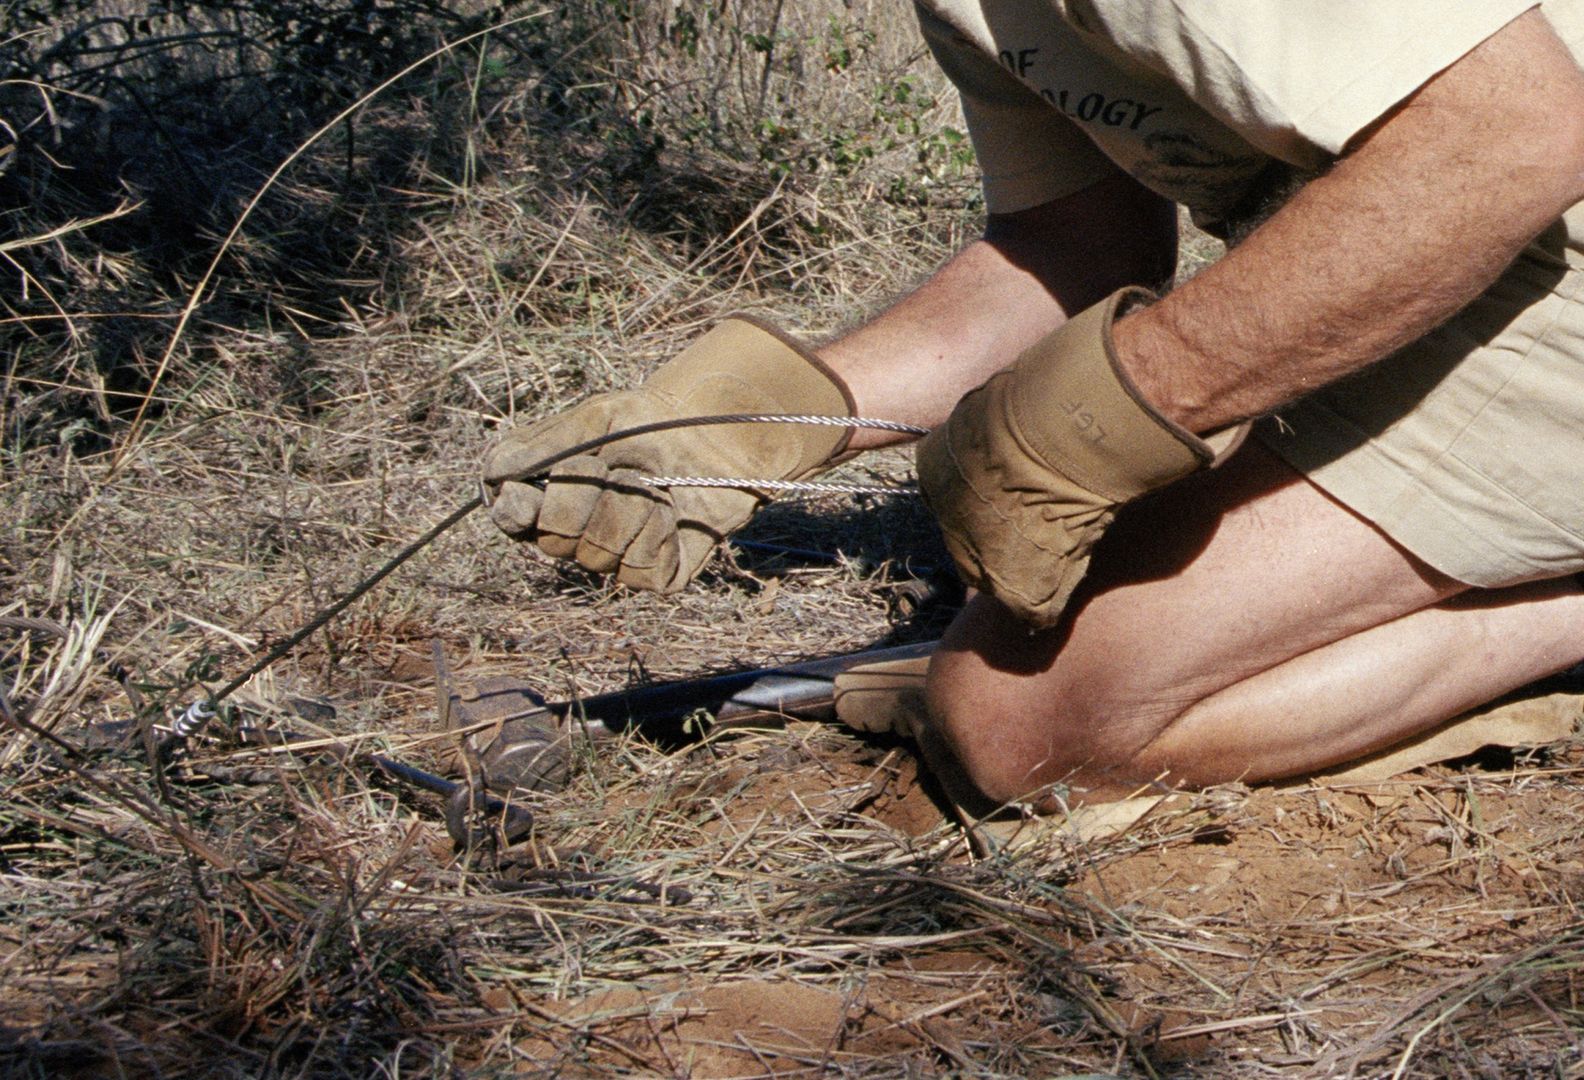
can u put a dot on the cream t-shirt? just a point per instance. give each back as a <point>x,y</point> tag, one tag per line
<point>1194,98</point>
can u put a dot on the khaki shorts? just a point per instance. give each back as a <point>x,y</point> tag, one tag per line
<point>1468,447</point>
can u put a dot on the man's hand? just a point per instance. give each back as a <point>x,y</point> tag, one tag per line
<point>1031,467</point>
<point>592,508</point>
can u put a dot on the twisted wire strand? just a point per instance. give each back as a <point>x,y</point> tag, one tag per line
<point>195,719</point>
<point>793,487</point>
<point>800,487</point>
<point>539,468</point>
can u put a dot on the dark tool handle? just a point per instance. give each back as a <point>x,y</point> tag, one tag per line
<point>805,691</point>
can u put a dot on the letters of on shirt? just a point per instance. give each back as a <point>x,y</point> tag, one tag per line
<point>1090,108</point>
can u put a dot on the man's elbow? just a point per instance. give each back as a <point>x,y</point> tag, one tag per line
<point>1546,118</point>
<point>1566,150</point>
<point>1509,121</point>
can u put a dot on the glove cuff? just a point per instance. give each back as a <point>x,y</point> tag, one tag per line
<point>1070,404</point>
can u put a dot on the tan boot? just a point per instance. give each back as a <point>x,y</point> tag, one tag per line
<point>885,697</point>
<point>1514,721</point>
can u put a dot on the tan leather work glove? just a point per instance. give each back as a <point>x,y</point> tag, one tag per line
<point>593,510</point>
<point>1030,468</point>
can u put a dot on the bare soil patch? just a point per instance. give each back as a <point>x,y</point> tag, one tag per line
<point>1425,921</point>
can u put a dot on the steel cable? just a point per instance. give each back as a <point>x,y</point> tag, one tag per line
<point>197,715</point>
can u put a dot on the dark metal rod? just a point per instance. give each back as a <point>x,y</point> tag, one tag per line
<point>803,690</point>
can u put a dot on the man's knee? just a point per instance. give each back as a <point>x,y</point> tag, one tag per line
<point>967,719</point>
<point>1013,734</point>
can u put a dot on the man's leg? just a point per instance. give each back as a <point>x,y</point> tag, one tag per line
<point>1241,625</point>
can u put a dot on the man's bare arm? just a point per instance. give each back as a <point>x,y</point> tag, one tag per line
<point>1411,226</point>
<point>998,296</point>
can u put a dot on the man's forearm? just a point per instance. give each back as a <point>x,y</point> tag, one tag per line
<point>1404,232</point>
<point>998,296</point>
<point>913,362</point>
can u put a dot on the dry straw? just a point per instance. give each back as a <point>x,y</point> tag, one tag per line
<point>548,211</point>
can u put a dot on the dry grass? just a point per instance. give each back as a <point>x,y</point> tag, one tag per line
<point>509,228</point>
